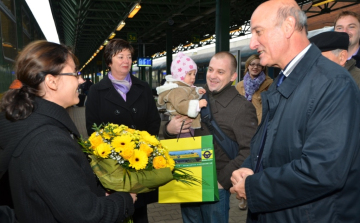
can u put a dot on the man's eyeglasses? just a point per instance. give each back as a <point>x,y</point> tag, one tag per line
<point>76,74</point>
<point>255,65</point>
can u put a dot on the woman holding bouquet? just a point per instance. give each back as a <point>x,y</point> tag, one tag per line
<point>50,177</point>
<point>121,98</point>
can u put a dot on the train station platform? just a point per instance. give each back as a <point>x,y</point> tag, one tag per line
<point>159,213</point>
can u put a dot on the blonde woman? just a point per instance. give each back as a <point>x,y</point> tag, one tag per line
<point>255,81</point>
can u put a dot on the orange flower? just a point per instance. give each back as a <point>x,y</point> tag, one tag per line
<point>146,148</point>
<point>159,162</point>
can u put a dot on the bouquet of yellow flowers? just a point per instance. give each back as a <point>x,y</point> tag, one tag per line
<point>130,160</point>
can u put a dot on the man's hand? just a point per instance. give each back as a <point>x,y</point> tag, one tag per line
<point>238,180</point>
<point>202,103</point>
<point>176,122</point>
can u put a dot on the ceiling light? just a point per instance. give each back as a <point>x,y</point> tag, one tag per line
<point>134,10</point>
<point>320,2</point>
<point>121,25</point>
<point>112,35</point>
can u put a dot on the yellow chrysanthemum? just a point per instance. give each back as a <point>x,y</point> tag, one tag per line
<point>149,138</point>
<point>170,163</point>
<point>121,142</point>
<point>106,135</point>
<point>103,150</point>
<point>123,127</point>
<point>127,152</point>
<point>159,162</point>
<point>95,140</point>
<point>146,148</point>
<point>139,160</point>
<point>117,130</point>
<point>129,130</point>
<point>112,125</point>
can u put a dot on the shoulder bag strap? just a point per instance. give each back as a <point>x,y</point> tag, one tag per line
<point>229,146</point>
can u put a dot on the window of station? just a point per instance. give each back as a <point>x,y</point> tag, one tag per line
<point>37,35</point>
<point>201,73</point>
<point>10,5</point>
<point>8,29</point>
<point>155,80</point>
<point>26,27</point>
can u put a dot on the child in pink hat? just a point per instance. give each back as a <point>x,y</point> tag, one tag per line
<point>179,94</point>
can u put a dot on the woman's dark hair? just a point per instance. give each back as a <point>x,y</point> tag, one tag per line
<point>114,47</point>
<point>33,63</point>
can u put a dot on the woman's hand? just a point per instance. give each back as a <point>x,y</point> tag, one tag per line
<point>175,124</point>
<point>134,197</point>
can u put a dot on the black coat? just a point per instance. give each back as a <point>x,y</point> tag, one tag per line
<point>104,104</point>
<point>50,177</point>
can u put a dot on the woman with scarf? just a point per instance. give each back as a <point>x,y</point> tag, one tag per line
<point>255,81</point>
<point>121,98</point>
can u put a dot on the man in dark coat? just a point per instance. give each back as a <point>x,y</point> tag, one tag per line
<point>304,162</point>
<point>334,46</point>
<point>237,118</point>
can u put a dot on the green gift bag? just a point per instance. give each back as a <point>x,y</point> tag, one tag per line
<point>197,156</point>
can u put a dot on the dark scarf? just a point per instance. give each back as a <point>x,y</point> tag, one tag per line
<point>252,85</point>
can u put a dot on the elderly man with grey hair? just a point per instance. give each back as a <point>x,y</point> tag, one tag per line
<point>334,46</point>
<point>304,157</point>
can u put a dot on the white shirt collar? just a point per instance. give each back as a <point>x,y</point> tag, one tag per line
<point>349,58</point>
<point>291,66</point>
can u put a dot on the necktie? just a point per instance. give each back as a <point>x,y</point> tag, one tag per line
<point>281,78</point>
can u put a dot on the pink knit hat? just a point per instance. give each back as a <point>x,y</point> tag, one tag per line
<point>181,65</point>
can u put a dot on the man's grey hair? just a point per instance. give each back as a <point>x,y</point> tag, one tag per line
<point>297,13</point>
<point>337,51</point>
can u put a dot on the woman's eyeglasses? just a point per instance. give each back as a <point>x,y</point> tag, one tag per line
<point>76,74</point>
<point>255,65</point>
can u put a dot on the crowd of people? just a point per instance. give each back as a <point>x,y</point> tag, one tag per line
<point>296,137</point>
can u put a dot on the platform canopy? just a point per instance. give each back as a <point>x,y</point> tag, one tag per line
<point>86,24</point>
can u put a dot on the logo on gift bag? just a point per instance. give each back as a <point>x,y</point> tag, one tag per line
<point>207,154</point>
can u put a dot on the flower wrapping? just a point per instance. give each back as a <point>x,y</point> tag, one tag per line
<point>130,160</point>
<point>114,177</point>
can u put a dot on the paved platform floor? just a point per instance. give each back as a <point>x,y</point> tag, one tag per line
<point>159,213</point>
